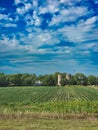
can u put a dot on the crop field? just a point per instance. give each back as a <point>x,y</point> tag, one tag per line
<point>67,99</point>
<point>45,105</point>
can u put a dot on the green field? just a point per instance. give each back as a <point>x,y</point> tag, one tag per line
<point>69,99</point>
<point>46,105</point>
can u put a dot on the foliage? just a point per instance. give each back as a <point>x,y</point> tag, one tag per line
<point>80,79</point>
<point>92,80</point>
<point>3,80</point>
<point>64,82</point>
<point>46,80</point>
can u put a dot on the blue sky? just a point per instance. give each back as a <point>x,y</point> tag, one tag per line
<point>47,36</point>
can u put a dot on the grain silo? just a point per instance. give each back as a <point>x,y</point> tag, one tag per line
<point>59,79</point>
<point>68,76</point>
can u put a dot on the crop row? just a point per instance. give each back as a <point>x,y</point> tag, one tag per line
<point>52,99</point>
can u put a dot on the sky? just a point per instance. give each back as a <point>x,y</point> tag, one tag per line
<point>48,36</point>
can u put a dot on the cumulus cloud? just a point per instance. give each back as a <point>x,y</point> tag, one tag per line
<point>45,32</point>
<point>7,25</point>
<point>35,3</point>
<point>20,1</point>
<point>52,7</point>
<point>9,44</point>
<point>68,15</point>
<point>3,17</point>
<point>24,8</point>
<point>69,2</point>
<point>91,20</point>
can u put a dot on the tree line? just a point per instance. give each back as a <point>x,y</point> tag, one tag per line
<point>46,80</point>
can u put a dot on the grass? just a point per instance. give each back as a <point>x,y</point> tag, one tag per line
<point>48,124</point>
<point>49,108</point>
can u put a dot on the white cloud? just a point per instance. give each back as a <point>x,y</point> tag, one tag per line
<point>6,18</point>
<point>24,9</point>
<point>51,7</point>
<point>90,45</point>
<point>68,15</point>
<point>45,37</point>
<point>20,1</point>
<point>9,25</point>
<point>37,20</point>
<point>39,38</point>
<point>43,10</point>
<point>86,47</point>
<point>91,20</point>
<point>69,2</point>
<point>81,32</point>
<point>9,43</point>
<point>21,10</point>
<point>3,17</point>
<point>38,41</point>
<point>28,6</point>
<point>73,33</point>
<point>17,1</point>
<point>30,21</point>
<point>35,3</point>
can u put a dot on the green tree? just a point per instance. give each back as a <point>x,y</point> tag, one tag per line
<point>15,79</point>
<point>80,79</point>
<point>64,82</point>
<point>72,81</point>
<point>48,80</point>
<point>92,80</point>
<point>3,80</point>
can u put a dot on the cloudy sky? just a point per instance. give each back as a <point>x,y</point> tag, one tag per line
<point>47,36</point>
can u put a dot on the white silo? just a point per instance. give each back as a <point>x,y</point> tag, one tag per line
<point>59,79</point>
<point>68,76</point>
